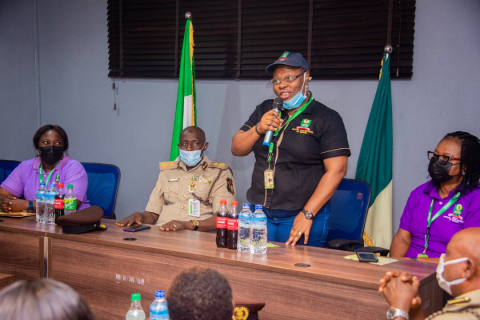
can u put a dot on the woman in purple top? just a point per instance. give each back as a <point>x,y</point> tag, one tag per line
<point>51,166</point>
<point>448,203</point>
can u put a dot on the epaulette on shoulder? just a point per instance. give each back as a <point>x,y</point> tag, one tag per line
<point>219,165</point>
<point>168,165</point>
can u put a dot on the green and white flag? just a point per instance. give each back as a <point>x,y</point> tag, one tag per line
<point>375,163</point>
<point>185,112</point>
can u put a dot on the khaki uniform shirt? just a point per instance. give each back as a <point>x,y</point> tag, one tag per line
<point>464,307</point>
<point>208,182</point>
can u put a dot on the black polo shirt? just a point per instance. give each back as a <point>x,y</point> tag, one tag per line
<point>316,134</point>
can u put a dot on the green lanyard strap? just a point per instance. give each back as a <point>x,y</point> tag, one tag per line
<point>438,214</point>
<point>40,174</point>
<point>270,148</point>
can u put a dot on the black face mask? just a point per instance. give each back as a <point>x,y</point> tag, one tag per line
<point>439,172</point>
<point>50,154</point>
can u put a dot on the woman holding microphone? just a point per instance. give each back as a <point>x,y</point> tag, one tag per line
<point>294,176</point>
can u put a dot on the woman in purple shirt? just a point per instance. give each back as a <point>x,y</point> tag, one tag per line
<point>448,203</point>
<point>51,166</point>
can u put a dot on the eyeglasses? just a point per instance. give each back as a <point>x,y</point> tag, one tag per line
<point>286,79</point>
<point>443,159</point>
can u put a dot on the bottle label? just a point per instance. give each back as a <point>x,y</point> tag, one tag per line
<point>221,222</point>
<point>59,204</point>
<point>70,204</point>
<point>232,224</point>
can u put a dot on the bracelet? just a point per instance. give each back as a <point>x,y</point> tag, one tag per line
<point>256,130</point>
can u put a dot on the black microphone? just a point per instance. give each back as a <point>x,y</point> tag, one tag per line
<point>277,106</point>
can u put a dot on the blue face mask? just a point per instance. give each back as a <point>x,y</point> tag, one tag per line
<point>191,158</point>
<point>297,99</point>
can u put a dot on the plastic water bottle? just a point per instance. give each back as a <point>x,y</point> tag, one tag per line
<point>244,231</point>
<point>136,311</point>
<point>59,202</point>
<point>221,223</point>
<point>158,308</point>
<point>259,231</point>
<point>70,201</point>
<point>50,204</point>
<point>40,203</point>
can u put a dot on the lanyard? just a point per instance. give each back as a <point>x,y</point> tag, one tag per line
<point>438,214</point>
<point>40,174</point>
<point>270,148</point>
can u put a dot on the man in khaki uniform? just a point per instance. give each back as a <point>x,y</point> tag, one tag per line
<point>458,273</point>
<point>187,192</point>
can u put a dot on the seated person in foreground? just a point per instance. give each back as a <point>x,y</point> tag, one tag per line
<point>51,166</point>
<point>188,192</point>
<point>44,299</point>
<point>448,203</point>
<point>200,294</point>
<point>458,273</point>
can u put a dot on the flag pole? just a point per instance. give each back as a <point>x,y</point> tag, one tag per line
<point>388,50</point>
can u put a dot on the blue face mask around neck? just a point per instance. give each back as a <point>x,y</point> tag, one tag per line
<point>297,99</point>
<point>191,158</point>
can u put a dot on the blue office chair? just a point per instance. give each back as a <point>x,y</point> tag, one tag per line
<point>349,207</point>
<point>103,182</point>
<point>6,167</point>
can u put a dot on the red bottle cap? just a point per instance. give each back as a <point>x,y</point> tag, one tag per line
<point>223,201</point>
<point>60,185</point>
<point>234,203</point>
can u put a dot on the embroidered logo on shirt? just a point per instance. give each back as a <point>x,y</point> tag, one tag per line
<point>303,127</point>
<point>458,210</point>
<point>303,130</point>
<point>454,218</point>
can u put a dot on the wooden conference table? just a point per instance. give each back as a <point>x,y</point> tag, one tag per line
<point>106,269</point>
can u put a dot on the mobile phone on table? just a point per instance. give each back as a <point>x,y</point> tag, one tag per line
<point>367,257</point>
<point>136,228</point>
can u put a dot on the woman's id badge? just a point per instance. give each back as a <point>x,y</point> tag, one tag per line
<point>194,208</point>
<point>268,178</point>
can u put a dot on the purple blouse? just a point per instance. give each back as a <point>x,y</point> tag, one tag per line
<point>24,179</point>
<point>465,213</point>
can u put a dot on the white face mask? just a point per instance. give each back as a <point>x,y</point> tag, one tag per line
<point>444,284</point>
<point>191,158</point>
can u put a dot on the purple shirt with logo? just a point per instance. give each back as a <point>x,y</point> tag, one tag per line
<point>24,179</point>
<point>464,213</point>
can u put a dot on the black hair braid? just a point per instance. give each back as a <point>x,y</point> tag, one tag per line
<point>469,159</point>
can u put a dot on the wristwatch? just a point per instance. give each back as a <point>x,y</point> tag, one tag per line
<point>195,224</point>
<point>413,259</point>
<point>30,206</point>
<point>308,214</point>
<point>392,313</point>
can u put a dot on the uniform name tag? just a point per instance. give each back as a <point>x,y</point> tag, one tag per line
<point>194,208</point>
<point>268,175</point>
<point>173,180</point>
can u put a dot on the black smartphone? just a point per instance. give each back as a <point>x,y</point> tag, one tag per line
<point>367,257</point>
<point>136,228</point>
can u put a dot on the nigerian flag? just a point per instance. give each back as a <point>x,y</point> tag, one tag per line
<point>185,112</point>
<point>375,163</point>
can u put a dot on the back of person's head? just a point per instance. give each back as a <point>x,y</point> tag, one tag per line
<point>200,294</point>
<point>44,299</point>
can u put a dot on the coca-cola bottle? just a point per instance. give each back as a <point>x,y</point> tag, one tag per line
<point>232,227</point>
<point>222,216</point>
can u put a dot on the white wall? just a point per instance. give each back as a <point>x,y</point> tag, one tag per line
<point>18,81</point>
<point>76,93</point>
